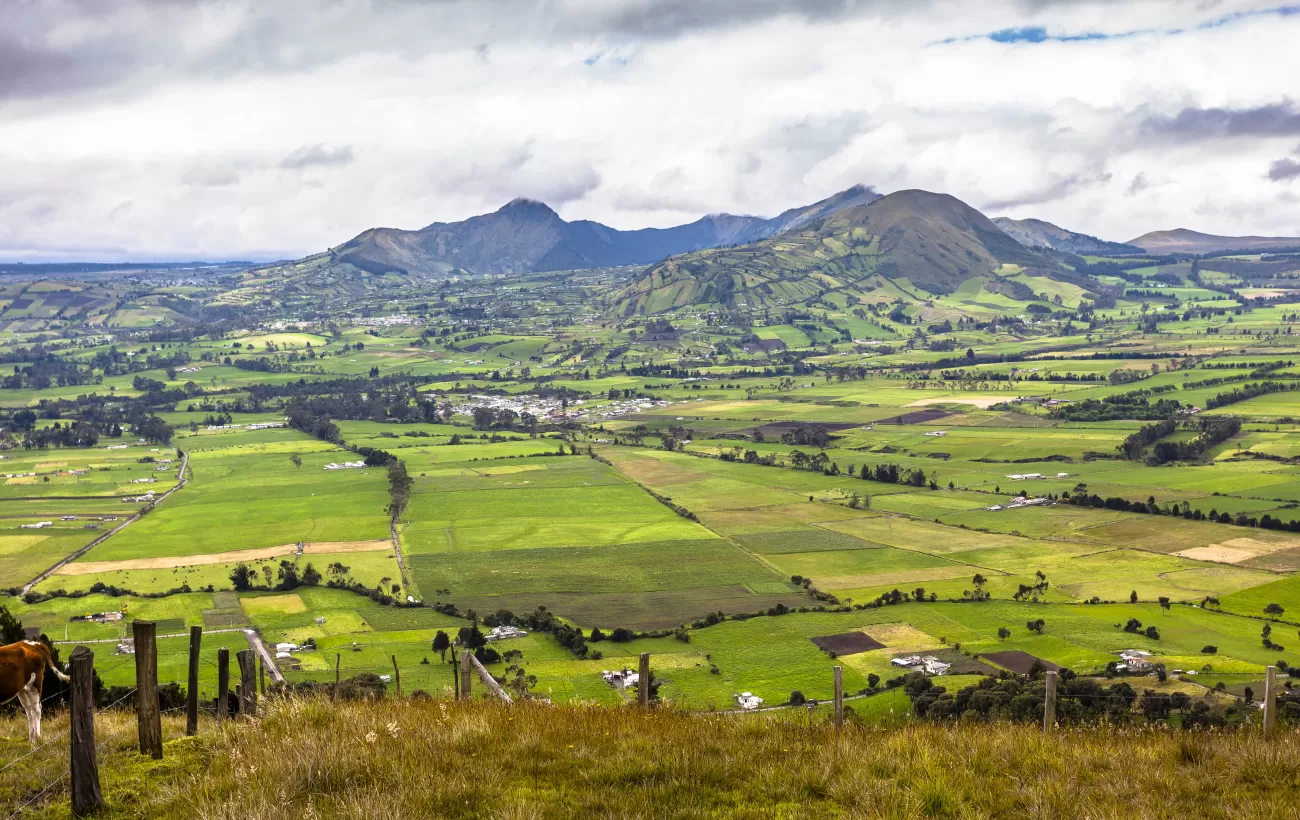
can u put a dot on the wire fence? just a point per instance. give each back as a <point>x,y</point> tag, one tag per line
<point>58,779</point>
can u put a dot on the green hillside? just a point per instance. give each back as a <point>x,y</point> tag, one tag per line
<point>933,241</point>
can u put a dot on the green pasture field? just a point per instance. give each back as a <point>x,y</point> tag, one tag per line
<point>250,496</point>
<point>531,503</point>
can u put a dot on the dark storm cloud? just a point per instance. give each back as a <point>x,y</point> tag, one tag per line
<point>1059,188</point>
<point>1280,119</point>
<point>317,155</point>
<point>1284,170</point>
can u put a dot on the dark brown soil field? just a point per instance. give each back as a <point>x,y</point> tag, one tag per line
<point>847,643</point>
<point>1016,661</point>
<point>918,417</point>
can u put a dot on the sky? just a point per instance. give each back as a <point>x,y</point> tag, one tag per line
<point>184,129</point>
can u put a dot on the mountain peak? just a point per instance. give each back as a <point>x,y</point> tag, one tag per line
<point>523,204</point>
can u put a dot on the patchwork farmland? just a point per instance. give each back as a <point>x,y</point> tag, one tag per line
<point>751,515</point>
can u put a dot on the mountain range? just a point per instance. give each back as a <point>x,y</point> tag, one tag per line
<point>1035,233</point>
<point>1181,240</point>
<point>526,236</point>
<point>915,242</point>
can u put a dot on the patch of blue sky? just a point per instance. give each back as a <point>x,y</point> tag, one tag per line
<point>1039,34</point>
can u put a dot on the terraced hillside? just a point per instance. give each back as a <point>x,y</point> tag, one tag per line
<point>933,241</point>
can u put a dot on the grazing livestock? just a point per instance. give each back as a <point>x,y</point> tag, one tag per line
<point>22,674</point>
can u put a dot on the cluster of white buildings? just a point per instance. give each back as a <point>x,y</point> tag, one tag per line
<point>621,679</point>
<point>1032,476</point>
<point>1133,660</point>
<point>282,650</point>
<point>501,633</point>
<point>544,409</point>
<point>385,321</point>
<point>265,425</point>
<point>1019,502</point>
<point>345,465</point>
<point>37,526</point>
<point>928,664</point>
<point>139,499</point>
<point>19,475</point>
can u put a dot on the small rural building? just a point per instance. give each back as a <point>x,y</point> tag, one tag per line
<point>928,664</point>
<point>748,700</point>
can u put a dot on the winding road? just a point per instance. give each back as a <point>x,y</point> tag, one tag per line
<point>185,463</point>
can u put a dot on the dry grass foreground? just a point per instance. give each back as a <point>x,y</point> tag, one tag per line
<point>231,557</point>
<point>310,758</point>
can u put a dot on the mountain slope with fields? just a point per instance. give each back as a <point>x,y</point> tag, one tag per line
<point>1182,240</point>
<point>933,241</point>
<point>1035,233</point>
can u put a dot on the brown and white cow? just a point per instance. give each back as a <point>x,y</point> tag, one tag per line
<point>22,674</point>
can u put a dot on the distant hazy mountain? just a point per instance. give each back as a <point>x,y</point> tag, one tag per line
<point>526,236</point>
<point>1035,233</point>
<point>1182,240</point>
<point>934,241</point>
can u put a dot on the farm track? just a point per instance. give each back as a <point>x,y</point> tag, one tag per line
<point>397,553</point>
<point>62,498</point>
<point>182,481</point>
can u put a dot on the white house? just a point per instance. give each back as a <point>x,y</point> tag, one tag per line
<point>929,664</point>
<point>748,700</point>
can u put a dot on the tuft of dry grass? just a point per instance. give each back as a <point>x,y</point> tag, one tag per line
<point>310,758</point>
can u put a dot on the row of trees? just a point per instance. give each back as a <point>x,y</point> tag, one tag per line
<point>1079,701</point>
<point>1248,391</point>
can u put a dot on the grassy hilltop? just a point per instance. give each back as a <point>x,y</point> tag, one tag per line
<point>426,758</point>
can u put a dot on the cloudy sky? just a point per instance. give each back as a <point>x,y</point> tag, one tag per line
<point>181,129</point>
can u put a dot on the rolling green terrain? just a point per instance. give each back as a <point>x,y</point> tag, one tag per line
<point>891,420</point>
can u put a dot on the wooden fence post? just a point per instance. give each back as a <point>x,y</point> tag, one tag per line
<point>486,677</point>
<point>192,694</point>
<point>1270,699</point>
<point>247,683</point>
<point>455,673</point>
<point>223,684</point>
<point>465,674</point>
<point>397,676</point>
<point>148,718</point>
<point>839,696</point>
<point>261,676</point>
<point>86,796</point>
<point>643,682</point>
<point>1049,703</point>
<point>338,658</point>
